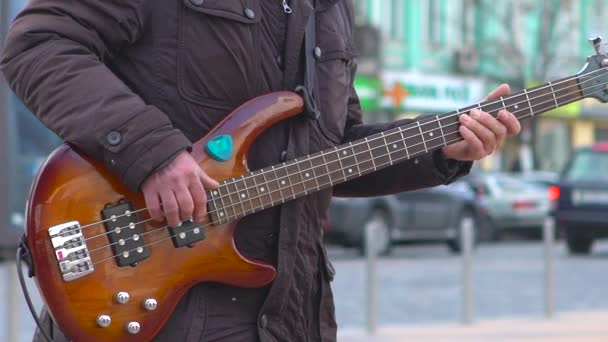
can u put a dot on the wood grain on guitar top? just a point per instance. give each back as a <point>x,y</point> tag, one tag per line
<point>73,187</point>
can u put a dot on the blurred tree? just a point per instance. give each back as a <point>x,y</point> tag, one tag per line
<point>525,43</point>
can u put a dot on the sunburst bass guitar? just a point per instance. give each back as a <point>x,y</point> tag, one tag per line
<point>108,273</point>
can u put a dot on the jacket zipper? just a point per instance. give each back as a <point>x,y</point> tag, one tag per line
<point>286,7</point>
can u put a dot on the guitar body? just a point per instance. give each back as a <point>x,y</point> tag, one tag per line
<point>73,187</point>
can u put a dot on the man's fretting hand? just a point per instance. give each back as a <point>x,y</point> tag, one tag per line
<point>483,134</point>
<point>176,192</point>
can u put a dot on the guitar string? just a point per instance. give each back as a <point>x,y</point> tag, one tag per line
<point>234,205</point>
<point>437,120</point>
<point>389,163</point>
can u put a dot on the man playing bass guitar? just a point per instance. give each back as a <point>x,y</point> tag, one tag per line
<point>134,83</point>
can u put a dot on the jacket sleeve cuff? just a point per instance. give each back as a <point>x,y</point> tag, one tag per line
<point>138,147</point>
<point>450,169</point>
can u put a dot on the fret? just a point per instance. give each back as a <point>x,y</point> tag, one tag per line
<point>378,150</point>
<point>422,136</point>
<point>370,152</point>
<point>252,192</point>
<point>334,165</point>
<point>264,196</point>
<point>268,185</point>
<point>395,144</point>
<point>341,165</point>
<point>431,127</point>
<point>212,206</point>
<point>413,141</point>
<point>277,183</point>
<point>221,213</point>
<point>310,182</point>
<point>302,182</point>
<point>516,105</point>
<point>542,100</point>
<point>365,159</point>
<point>407,153</point>
<point>348,161</point>
<point>502,100</point>
<point>331,182</point>
<point>295,179</point>
<point>318,164</point>
<point>569,92</point>
<point>284,182</point>
<point>235,197</point>
<point>445,143</point>
<point>529,103</point>
<point>388,151</point>
<point>553,93</point>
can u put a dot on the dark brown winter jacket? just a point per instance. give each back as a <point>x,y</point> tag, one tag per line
<point>133,82</point>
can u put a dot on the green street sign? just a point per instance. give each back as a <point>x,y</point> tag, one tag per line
<point>369,90</point>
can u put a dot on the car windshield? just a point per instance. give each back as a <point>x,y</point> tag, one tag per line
<point>588,165</point>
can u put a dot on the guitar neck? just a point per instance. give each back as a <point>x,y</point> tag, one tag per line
<point>265,188</point>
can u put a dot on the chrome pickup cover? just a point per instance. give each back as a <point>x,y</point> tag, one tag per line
<point>71,250</point>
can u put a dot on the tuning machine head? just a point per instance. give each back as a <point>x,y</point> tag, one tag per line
<point>596,42</point>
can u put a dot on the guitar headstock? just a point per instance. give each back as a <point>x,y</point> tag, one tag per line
<point>593,78</point>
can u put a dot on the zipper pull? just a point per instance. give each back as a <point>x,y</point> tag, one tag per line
<point>286,7</point>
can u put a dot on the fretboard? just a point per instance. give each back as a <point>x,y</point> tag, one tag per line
<point>261,189</point>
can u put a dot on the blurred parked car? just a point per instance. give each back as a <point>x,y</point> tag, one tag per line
<point>581,198</point>
<point>509,204</point>
<point>544,179</point>
<point>433,214</point>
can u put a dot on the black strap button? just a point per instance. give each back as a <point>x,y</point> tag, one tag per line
<point>114,138</point>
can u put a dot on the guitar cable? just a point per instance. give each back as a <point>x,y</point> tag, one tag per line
<point>24,256</point>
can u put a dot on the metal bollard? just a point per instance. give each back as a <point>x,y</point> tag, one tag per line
<point>13,304</point>
<point>549,284</point>
<point>371,254</point>
<point>466,241</point>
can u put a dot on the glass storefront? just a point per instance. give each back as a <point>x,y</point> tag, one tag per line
<point>29,142</point>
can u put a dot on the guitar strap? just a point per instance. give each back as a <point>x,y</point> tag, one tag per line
<point>311,53</point>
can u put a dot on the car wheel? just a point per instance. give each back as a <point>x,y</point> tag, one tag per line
<point>579,244</point>
<point>454,244</point>
<point>378,220</point>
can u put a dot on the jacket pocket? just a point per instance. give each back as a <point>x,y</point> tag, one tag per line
<point>333,82</point>
<point>218,57</point>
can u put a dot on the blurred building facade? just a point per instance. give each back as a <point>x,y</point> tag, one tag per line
<point>439,55</point>
<point>24,145</point>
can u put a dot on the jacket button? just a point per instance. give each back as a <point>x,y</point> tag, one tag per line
<point>318,53</point>
<point>249,13</point>
<point>197,2</point>
<point>263,321</point>
<point>284,156</point>
<point>113,138</point>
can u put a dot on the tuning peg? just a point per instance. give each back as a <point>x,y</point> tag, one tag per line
<point>596,42</point>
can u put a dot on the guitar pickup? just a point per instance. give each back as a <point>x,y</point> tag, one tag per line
<point>125,234</point>
<point>186,234</point>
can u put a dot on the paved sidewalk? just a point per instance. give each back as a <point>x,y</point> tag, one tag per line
<point>565,327</point>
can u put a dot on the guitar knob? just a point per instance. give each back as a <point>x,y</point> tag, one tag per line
<point>104,321</point>
<point>122,297</point>
<point>150,304</point>
<point>133,328</point>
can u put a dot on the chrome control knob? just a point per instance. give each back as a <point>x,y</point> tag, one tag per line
<point>122,297</point>
<point>104,321</point>
<point>150,304</point>
<point>133,328</point>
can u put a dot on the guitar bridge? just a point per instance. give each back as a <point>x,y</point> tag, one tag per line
<point>71,250</point>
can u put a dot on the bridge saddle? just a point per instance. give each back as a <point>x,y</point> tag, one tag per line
<point>71,250</point>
